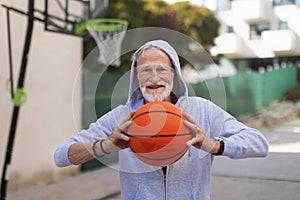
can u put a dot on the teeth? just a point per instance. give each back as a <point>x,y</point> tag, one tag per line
<point>155,86</point>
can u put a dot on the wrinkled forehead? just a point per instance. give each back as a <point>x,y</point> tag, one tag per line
<point>153,55</point>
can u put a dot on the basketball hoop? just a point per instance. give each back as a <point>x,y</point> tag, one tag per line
<point>108,34</point>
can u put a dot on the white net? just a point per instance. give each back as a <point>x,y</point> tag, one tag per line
<point>109,43</point>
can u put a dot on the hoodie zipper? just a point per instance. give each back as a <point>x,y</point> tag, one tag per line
<point>164,169</point>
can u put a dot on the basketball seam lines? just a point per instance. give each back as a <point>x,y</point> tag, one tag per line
<point>156,136</point>
<point>152,111</point>
<point>149,158</point>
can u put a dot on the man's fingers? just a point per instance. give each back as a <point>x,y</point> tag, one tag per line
<point>189,124</point>
<point>197,132</point>
<point>124,126</point>
<point>124,137</point>
<point>122,129</point>
<point>193,127</point>
<point>191,142</point>
<point>127,118</point>
<point>189,117</point>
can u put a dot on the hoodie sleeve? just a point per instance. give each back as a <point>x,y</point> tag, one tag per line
<point>100,129</point>
<point>93,133</point>
<point>240,140</point>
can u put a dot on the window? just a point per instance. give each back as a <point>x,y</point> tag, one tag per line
<point>257,29</point>
<point>283,25</point>
<point>223,5</point>
<point>230,29</point>
<point>283,2</point>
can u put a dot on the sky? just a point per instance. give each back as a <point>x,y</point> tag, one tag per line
<point>208,3</point>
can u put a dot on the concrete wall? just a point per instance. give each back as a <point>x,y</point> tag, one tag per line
<point>46,119</point>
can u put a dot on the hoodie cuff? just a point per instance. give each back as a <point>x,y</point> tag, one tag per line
<point>61,155</point>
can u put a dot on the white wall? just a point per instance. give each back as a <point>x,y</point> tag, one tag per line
<point>46,119</point>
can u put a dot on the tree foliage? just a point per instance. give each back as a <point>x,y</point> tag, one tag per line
<point>132,11</point>
<point>159,14</point>
<point>197,22</point>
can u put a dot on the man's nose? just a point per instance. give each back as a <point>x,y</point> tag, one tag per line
<point>154,77</point>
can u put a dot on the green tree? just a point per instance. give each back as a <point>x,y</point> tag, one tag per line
<point>132,11</point>
<point>159,14</point>
<point>197,22</point>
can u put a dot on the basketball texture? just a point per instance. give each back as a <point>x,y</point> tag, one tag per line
<point>157,133</point>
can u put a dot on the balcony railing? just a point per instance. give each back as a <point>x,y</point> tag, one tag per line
<point>250,10</point>
<point>289,13</point>
<point>280,41</point>
<point>228,44</point>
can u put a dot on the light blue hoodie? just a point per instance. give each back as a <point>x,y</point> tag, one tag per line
<point>189,177</point>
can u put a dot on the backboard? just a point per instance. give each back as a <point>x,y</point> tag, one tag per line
<point>62,15</point>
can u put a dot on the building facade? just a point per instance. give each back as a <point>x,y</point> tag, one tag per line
<point>258,33</point>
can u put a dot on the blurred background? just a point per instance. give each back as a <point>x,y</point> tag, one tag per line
<point>254,45</point>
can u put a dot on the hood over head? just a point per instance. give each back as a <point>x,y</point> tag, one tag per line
<point>179,86</point>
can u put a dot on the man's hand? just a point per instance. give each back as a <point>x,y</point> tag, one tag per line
<point>118,140</point>
<point>81,152</point>
<point>200,140</point>
<point>197,132</point>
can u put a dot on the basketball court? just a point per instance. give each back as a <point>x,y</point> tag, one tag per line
<point>231,179</point>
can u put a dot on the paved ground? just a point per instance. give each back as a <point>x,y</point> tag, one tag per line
<point>275,177</point>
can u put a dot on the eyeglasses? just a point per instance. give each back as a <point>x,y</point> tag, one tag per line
<point>148,69</point>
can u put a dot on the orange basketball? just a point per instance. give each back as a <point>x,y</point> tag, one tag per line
<point>157,133</point>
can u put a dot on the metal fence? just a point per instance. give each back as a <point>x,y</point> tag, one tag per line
<point>247,92</point>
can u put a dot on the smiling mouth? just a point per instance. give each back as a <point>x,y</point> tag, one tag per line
<point>155,86</point>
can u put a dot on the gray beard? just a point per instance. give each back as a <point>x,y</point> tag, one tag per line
<point>157,97</point>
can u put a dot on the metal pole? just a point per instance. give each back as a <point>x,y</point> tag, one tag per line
<point>10,56</point>
<point>9,148</point>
